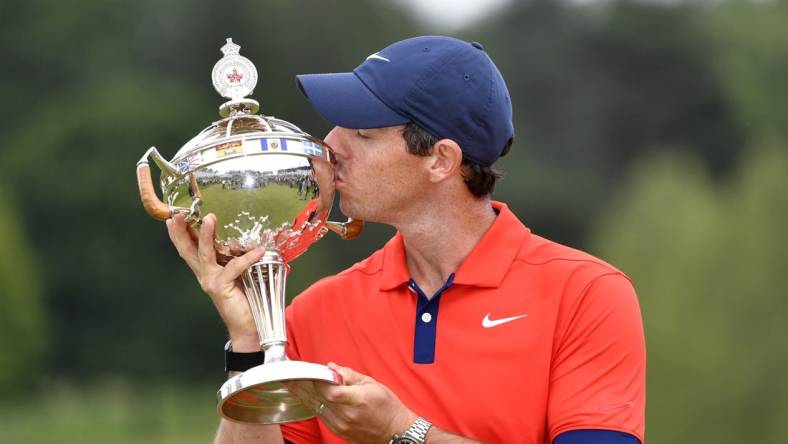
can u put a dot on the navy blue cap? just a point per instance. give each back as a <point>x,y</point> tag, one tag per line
<point>447,86</point>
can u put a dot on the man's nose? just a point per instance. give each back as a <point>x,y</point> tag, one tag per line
<point>337,141</point>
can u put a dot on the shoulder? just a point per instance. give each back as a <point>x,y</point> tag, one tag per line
<point>552,260</point>
<point>537,258</point>
<point>573,280</point>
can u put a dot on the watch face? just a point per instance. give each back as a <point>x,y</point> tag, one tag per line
<point>404,440</point>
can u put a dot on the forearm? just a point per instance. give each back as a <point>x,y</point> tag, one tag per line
<point>231,432</point>
<point>440,436</point>
<point>240,433</point>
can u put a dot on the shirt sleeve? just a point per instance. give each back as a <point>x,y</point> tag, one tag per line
<point>595,437</point>
<point>301,432</point>
<point>598,372</point>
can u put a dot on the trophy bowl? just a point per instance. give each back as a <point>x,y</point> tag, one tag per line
<point>269,184</point>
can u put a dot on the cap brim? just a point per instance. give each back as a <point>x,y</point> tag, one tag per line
<point>343,100</point>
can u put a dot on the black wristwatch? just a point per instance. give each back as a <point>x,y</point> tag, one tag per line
<point>240,362</point>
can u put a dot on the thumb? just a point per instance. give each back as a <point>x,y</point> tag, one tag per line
<point>349,376</point>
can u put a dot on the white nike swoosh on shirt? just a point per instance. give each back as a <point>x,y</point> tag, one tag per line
<point>489,323</point>
<point>377,56</point>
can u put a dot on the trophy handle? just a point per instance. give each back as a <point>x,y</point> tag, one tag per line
<point>349,230</point>
<point>153,205</point>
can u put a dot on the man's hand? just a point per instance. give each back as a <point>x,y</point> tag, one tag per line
<point>219,282</point>
<point>361,410</point>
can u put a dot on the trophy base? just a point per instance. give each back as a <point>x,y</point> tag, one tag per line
<point>258,395</point>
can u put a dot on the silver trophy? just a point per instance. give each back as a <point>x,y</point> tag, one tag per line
<point>269,184</point>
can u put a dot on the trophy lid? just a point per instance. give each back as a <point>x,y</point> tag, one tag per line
<point>235,77</point>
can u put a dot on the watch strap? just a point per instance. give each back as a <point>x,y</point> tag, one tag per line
<point>241,362</point>
<point>417,432</point>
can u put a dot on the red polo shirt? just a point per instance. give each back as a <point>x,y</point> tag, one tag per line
<point>529,339</point>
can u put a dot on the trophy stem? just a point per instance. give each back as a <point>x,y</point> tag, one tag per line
<point>260,394</point>
<point>264,286</point>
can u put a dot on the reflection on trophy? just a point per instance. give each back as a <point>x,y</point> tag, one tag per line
<point>269,184</point>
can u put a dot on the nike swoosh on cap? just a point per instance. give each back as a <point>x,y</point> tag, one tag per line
<point>377,56</point>
<point>489,323</point>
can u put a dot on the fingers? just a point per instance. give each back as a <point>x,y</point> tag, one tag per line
<point>205,248</point>
<point>309,395</point>
<point>332,420</point>
<point>314,393</point>
<point>238,265</point>
<point>199,252</point>
<point>179,235</point>
<point>305,390</point>
<point>349,376</point>
<point>193,234</point>
<point>351,393</point>
<point>340,394</point>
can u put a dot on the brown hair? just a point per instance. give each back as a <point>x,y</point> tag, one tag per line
<point>479,179</point>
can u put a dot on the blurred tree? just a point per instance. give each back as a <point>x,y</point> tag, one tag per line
<point>90,88</point>
<point>594,87</point>
<point>23,328</point>
<point>710,265</point>
<point>750,42</point>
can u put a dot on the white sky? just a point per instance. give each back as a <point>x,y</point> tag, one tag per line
<point>453,14</point>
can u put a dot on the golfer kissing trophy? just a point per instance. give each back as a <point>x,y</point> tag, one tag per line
<point>269,184</point>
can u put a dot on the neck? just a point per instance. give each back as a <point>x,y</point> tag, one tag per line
<point>440,235</point>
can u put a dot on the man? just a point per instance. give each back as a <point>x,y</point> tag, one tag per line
<point>465,326</point>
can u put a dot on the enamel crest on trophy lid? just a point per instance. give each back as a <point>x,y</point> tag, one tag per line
<point>234,76</point>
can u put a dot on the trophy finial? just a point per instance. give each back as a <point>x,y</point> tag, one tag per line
<point>234,76</point>
<point>230,48</point>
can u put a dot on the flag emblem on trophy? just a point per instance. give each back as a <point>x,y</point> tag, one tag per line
<point>312,148</point>
<point>273,144</point>
<point>190,162</point>
<point>228,148</point>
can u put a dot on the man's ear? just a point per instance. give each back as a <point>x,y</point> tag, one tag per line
<point>445,160</point>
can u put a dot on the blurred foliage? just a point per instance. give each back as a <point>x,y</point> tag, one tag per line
<point>105,81</point>
<point>709,255</point>
<point>595,87</point>
<point>23,330</point>
<point>751,55</point>
<point>709,264</point>
<point>116,413</point>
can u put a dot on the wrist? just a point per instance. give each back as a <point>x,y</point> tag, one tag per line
<point>415,433</point>
<point>235,361</point>
<point>400,422</point>
<point>245,342</point>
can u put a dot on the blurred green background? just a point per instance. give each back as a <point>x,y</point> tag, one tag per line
<point>652,134</point>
